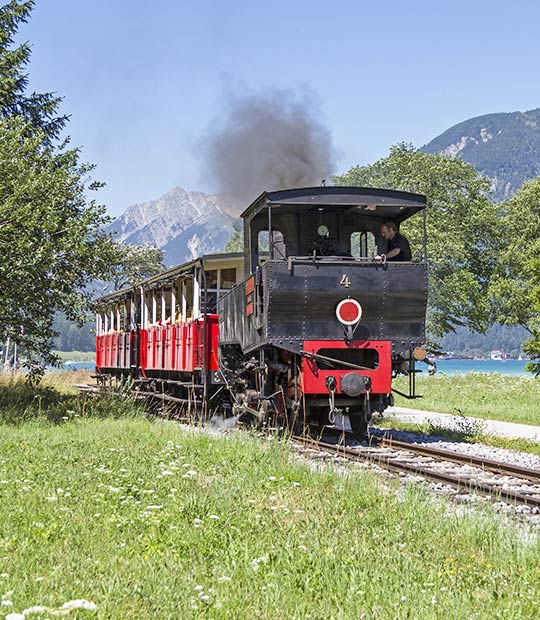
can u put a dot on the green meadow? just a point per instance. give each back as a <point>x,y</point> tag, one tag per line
<point>105,513</point>
<point>480,395</point>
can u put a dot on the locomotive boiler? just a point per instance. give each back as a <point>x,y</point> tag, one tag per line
<point>305,326</point>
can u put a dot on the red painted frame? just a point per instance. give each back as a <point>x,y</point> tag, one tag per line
<point>314,379</point>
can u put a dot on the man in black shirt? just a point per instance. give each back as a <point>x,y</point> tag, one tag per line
<point>395,246</point>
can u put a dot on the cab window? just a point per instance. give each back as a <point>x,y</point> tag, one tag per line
<point>363,244</point>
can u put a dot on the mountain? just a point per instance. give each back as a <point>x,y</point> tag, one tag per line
<point>502,146</point>
<point>184,224</point>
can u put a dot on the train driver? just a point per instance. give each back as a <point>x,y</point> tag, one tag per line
<point>394,246</point>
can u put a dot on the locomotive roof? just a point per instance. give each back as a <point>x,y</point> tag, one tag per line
<point>383,203</point>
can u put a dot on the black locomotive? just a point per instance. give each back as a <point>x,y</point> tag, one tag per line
<point>306,325</point>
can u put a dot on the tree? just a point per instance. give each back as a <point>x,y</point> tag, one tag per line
<point>460,225</point>
<point>39,110</point>
<point>52,243</point>
<point>515,285</point>
<point>134,263</point>
<point>236,242</point>
<point>51,239</point>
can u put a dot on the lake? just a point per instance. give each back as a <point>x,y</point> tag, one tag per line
<point>69,365</point>
<point>447,367</point>
<point>462,367</point>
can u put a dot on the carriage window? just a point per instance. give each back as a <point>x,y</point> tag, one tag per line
<point>228,277</point>
<point>211,278</point>
<point>363,244</point>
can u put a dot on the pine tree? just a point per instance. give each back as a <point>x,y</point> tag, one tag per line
<point>40,110</point>
<point>52,243</point>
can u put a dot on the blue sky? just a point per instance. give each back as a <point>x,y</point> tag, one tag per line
<point>144,81</point>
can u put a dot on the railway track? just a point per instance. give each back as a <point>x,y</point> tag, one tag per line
<point>466,473</point>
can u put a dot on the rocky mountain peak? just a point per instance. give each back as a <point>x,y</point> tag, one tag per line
<point>184,224</point>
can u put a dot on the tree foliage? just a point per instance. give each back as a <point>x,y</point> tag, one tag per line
<point>236,242</point>
<point>52,242</point>
<point>132,263</point>
<point>460,223</point>
<point>515,285</point>
<point>72,337</point>
<point>39,110</point>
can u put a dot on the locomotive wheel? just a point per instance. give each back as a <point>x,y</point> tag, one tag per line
<point>319,415</point>
<point>358,424</point>
<point>296,421</point>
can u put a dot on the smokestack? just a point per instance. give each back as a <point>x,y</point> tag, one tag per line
<point>267,142</point>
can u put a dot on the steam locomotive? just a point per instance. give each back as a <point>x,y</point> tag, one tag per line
<point>305,325</point>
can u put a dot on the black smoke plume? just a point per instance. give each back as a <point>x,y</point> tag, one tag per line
<point>266,142</point>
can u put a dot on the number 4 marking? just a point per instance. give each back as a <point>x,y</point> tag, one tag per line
<point>345,281</point>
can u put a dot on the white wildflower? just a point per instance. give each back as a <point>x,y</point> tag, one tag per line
<point>154,507</point>
<point>224,578</point>
<point>80,603</point>
<point>14,616</point>
<point>272,478</point>
<point>296,484</point>
<point>215,517</point>
<point>52,498</point>
<point>257,561</point>
<point>40,578</point>
<point>4,575</point>
<point>167,472</point>
<point>36,609</point>
<point>198,588</point>
<point>114,489</point>
<point>6,603</point>
<point>403,599</point>
<point>197,522</point>
<point>205,597</point>
<point>190,474</point>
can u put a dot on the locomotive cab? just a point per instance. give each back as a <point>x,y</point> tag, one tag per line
<point>328,323</point>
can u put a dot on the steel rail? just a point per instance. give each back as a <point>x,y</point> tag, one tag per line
<point>497,467</point>
<point>392,463</point>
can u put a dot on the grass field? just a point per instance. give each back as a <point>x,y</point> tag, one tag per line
<point>104,514</point>
<point>487,396</point>
<point>131,519</point>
